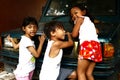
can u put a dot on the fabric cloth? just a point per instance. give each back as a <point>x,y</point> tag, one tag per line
<point>87,31</point>
<point>26,62</point>
<point>89,44</point>
<point>29,77</point>
<point>64,73</point>
<point>51,66</point>
<point>90,50</point>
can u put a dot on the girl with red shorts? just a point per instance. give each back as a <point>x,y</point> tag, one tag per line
<point>89,49</point>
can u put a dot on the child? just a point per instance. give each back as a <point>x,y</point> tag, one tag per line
<point>89,50</point>
<point>27,51</point>
<point>51,63</point>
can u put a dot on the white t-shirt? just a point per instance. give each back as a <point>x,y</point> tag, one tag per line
<point>87,31</point>
<point>26,60</point>
<point>51,66</point>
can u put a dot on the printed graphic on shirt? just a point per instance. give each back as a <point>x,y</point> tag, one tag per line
<point>32,60</point>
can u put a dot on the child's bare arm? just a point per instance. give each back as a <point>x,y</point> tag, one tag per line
<point>57,45</point>
<point>37,52</point>
<point>77,27</point>
<point>41,39</point>
<point>64,44</point>
<point>15,46</point>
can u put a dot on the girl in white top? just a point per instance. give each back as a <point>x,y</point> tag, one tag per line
<point>27,50</point>
<point>51,63</point>
<point>89,50</point>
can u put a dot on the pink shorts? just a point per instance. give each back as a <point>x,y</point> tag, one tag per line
<point>90,50</point>
<point>29,77</point>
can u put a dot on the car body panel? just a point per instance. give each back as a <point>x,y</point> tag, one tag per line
<point>109,32</point>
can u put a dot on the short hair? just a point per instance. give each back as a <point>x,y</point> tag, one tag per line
<point>51,26</point>
<point>29,20</point>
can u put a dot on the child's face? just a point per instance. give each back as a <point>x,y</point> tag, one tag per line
<point>30,30</point>
<point>76,13</point>
<point>59,33</point>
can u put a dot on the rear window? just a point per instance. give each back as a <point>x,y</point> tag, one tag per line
<point>96,7</point>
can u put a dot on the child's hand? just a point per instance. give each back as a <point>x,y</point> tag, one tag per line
<point>68,33</point>
<point>42,38</point>
<point>9,38</point>
<point>79,20</point>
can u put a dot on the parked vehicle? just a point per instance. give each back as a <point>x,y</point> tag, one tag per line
<point>107,20</point>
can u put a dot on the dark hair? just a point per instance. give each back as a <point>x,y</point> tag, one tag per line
<point>51,26</point>
<point>29,20</point>
<point>81,6</point>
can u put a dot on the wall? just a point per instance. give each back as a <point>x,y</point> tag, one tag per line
<point>12,12</point>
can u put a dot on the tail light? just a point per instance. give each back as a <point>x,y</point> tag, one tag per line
<point>108,50</point>
<point>75,49</point>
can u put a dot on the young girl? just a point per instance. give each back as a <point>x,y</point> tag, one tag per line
<point>27,50</point>
<point>90,49</point>
<point>51,63</point>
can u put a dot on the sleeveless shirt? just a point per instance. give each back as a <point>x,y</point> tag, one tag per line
<point>51,66</point>
<point>87,31</point>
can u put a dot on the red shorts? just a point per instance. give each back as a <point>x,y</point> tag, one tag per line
<point>90,50</point>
